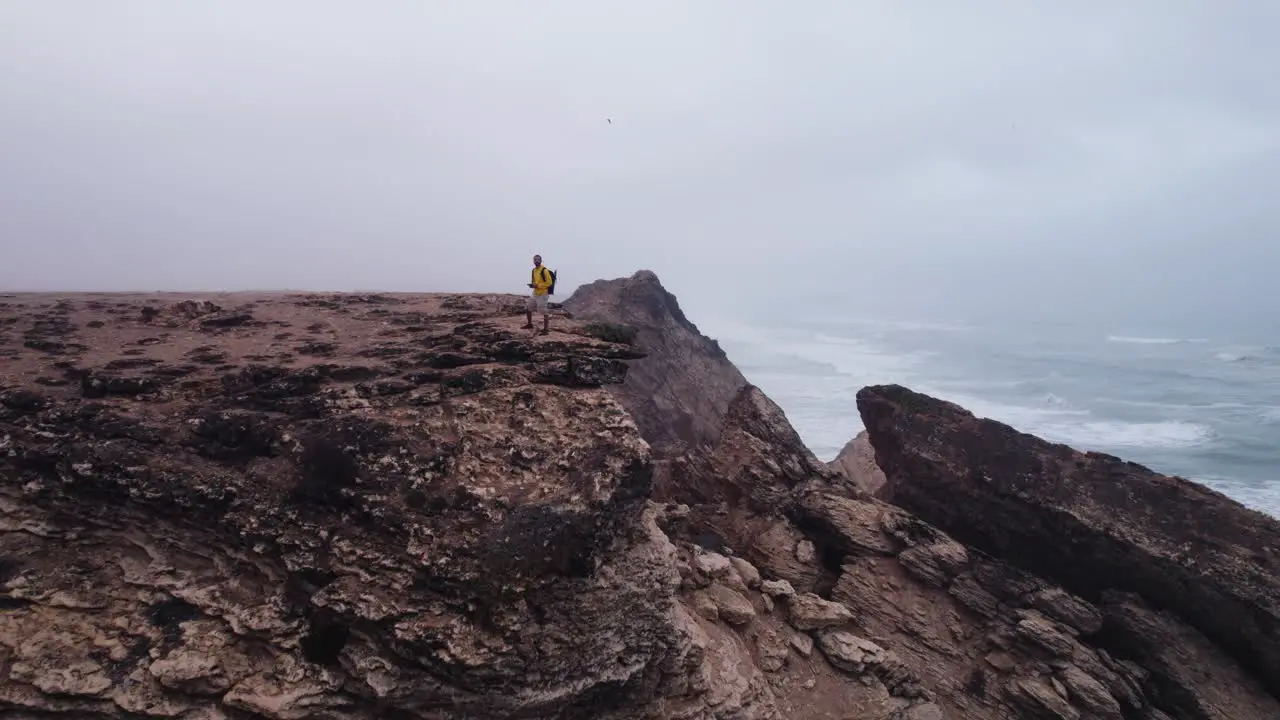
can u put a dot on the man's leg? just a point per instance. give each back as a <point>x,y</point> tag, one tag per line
<point>528,312</point>
<point>546,315</point>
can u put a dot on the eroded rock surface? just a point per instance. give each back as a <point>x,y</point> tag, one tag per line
<point>966,633</point>
<point>332,506</point>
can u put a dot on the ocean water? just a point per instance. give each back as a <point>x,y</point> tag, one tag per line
<point>1203,408</point>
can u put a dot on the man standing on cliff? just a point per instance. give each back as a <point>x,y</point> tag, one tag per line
<point>541,282</point>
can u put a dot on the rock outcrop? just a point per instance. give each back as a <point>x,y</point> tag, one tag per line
<point>680,392</point>
<point>964,630</point>
<point>857,460</point>
<point>1169,575</point>
<point>332,506</point>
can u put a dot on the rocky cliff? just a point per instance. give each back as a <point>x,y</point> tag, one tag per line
<point>327,506</point>
<point>395,506</point>
<point>679,394</point>
<point>388,506</point>
<point>981,628</point>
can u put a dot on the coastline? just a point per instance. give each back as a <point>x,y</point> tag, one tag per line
<point>356,502</point>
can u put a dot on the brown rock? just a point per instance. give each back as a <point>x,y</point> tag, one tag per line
<point>777,588</point>
<point>713,565</point>
<point>705,606</point>
<point>806,553</point>
<point>935,563</point>
<point>1038,699</point>
<point>850,525</point>
<point>809,612</point>
<point>1087,693</point>
<point>974,596</point>
<point>803,644</point>
<point>1069,609</point>
<point>406,503</point>
<point>925,711</point>
<point>681,392</point>
<point>1001,661</point>
<point>748,572</point>
<point>1200,679</point>
<point>772,550</point>
<point>771,651</point>
<point>1088,521</point>
<point>731,606</point>
<point>1040,632</point>
<point>849,652</point>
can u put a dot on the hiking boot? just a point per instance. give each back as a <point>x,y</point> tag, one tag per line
<point>527,327</point>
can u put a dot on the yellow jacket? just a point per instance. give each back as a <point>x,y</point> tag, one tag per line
<point>541,280</point>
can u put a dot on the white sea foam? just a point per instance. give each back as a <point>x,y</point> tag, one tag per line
<point>1131,340</point>
<point>1251,495</point>
<point>1058,421</point>
<point>1105,434</point>
<point>1244,353</point>
<point>903,325</point>
<point>863,362</point>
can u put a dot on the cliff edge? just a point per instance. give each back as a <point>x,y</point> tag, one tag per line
<point>405,506</point>
<point>326,506</point>
<point>857,460</point>
<point>680,393</point>
<point>968,626</point>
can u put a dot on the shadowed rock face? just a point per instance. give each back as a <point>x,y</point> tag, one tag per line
<point>680,392</point>
<point>1191,562</point>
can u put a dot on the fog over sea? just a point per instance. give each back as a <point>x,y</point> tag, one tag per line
<point>1204,405</point>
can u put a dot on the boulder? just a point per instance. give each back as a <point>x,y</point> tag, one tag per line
<point>850,652</point>
<point>809,612</point>
<point>731,606</point>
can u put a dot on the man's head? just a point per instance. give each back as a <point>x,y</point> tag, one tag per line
<point>537,260</point>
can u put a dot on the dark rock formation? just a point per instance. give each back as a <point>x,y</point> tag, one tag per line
<point>1176,568</point>
<point>680,392</point>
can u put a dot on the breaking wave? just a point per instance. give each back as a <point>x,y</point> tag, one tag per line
<point>1131,340</point>
<point>1058,421</point>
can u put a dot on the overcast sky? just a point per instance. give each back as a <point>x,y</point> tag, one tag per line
<point>884,151</point>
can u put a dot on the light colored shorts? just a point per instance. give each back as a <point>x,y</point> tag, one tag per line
<point>537,303</point>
